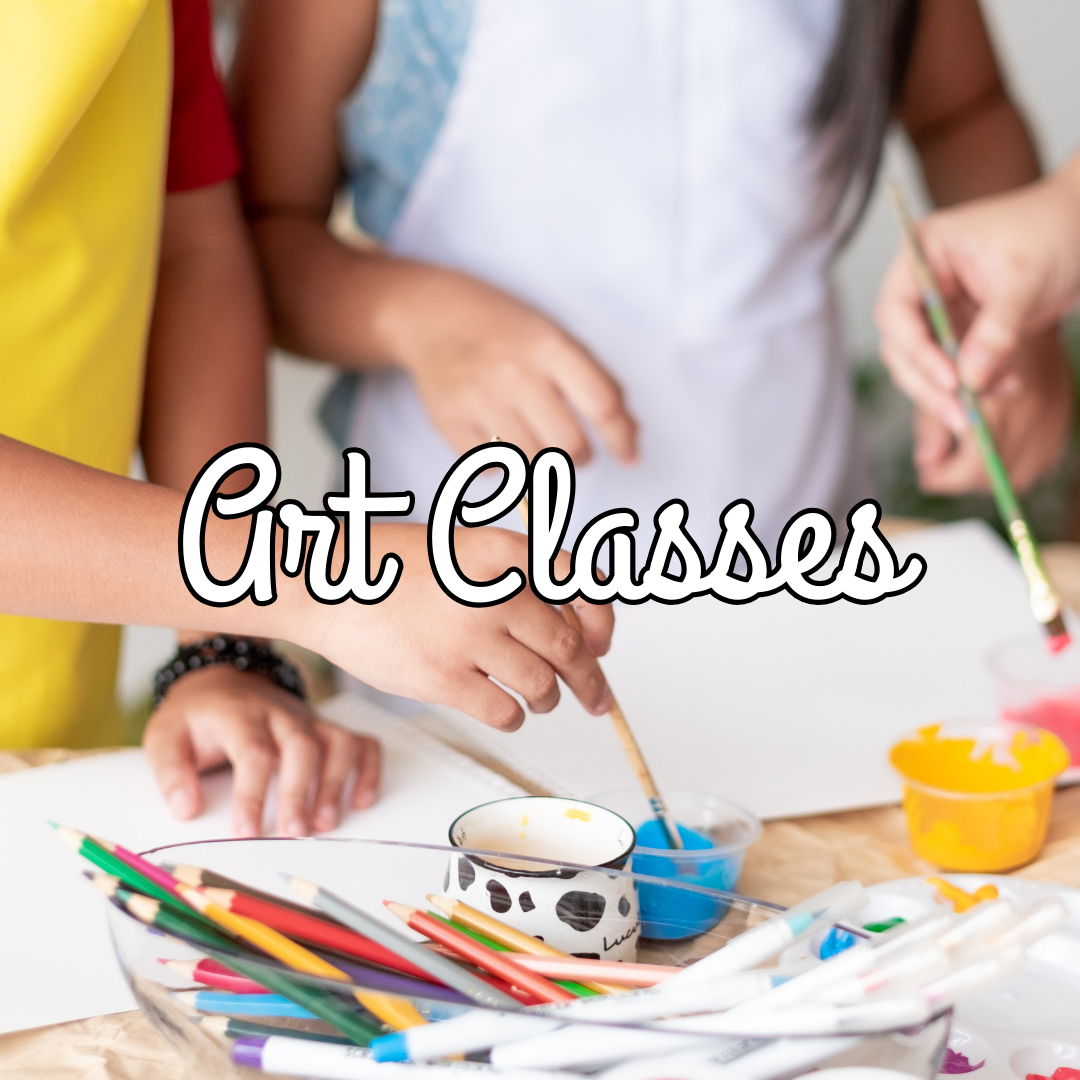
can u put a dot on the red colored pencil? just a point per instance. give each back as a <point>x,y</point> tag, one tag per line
<point>211,973</point>
<point>312,930</point>
<point>472,950</point>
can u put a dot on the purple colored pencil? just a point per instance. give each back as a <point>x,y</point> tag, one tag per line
<point>403,985</point>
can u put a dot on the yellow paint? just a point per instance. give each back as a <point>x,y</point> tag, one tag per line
<point>574,812</point>
<point>960,900</point>
<point>978,804</point>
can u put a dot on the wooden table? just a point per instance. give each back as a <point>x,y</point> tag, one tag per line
<point>793,859</point>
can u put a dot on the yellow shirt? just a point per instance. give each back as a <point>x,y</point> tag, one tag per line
<point>84,107</point>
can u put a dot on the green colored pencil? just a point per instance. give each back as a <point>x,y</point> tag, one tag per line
<point>105,860</point>
<point>231,1027</point>
<point>1045,603</point>
<point>153,912</point>
<point>324,1004</point>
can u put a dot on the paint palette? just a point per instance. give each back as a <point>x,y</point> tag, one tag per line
<point>1027,1024</point>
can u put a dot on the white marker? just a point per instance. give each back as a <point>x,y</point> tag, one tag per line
<point>475,1030</point>
<point>332,1061</point>
<point>749,1061</point>
<point>755,946</point>
<point>947,990</point>
<point>813,1019</point>
<point>665,1000</point>
<point>482,1029</point>
<point>1036,922</point>
<point>586,1046</point>
<point>909,969</point>
<point>978,924</point>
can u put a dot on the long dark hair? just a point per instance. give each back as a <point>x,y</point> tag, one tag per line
<point>856,99</point>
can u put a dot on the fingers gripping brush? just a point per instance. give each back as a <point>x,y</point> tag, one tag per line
<point>622,729</point>
<point>1045,604</point>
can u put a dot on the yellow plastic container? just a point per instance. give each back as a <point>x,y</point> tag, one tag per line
<point>977,795</point>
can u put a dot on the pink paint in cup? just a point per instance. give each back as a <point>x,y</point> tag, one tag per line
<point>1040,688</point>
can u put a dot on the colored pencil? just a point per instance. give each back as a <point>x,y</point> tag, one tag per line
<point>92,851</point>
<point>228,1004</point>
<point>376,979</point>
<point>396,1011</point>
<point>211,879</point>
<point>312,929</point>
<point>627,974</point>
<point>575,988</point>
<point>143,866</point>
<point>444,970</point>
<point>1044,601</point>
<point>155,913</point>
<point>472,919</point>
<point>213,974</point>
<point>470,949</point>
<point>322,1003</point>
<point>231,1027</point>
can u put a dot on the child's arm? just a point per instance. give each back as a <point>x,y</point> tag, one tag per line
<point>483,362</point>
<point>84,545</point>
<point>206,390</point>
<point>972,142</point>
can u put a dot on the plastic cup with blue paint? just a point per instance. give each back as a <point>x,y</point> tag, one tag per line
<point>716,834</point>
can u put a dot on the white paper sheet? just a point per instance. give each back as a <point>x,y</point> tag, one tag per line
<point>786,707</point>
<point>56,959</point>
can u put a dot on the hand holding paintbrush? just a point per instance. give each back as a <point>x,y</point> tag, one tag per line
<point>622,729</point>
<point>1045,604</point>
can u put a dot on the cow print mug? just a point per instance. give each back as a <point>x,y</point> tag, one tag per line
<point>586,913</point>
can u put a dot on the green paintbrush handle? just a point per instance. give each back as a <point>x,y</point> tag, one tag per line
<point>1045,605</point>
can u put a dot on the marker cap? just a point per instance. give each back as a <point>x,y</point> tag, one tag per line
<point>392,1047</point>
<point>247,1050</point>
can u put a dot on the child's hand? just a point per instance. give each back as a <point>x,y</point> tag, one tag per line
<point>486,364</point>
<point>221,716</point>
<point>422,644</point>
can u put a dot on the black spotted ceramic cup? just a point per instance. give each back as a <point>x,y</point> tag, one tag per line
<point>586,913</point>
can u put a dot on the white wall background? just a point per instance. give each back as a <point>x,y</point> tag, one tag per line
<point>1038,42</point>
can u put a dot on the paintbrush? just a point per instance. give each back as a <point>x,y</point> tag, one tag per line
<point>1045,603</point>
<point>622,729</point>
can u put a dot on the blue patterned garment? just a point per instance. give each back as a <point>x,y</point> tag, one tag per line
<point>389,124</point>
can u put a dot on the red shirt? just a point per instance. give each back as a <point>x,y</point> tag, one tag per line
<point>202,146</point>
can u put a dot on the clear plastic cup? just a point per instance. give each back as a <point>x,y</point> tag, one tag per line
<point>1039,688</point>
<point>977,794</point>
<point>722,829</point>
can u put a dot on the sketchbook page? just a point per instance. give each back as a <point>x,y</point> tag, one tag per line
<point>785,707</point>
<point>56,959</point>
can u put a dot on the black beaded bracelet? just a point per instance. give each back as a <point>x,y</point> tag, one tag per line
<point>242,653</point>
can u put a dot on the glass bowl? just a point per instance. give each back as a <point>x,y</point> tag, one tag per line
<point>367,872</point>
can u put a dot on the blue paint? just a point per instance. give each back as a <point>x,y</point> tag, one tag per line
<point>671,914</point>
<point>836,941</point>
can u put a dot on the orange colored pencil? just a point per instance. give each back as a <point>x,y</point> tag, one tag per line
<point>474,952</point>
